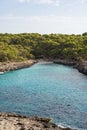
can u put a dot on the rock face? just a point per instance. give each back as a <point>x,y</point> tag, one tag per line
<point>65,62</point>
<point>4,67</point>
<point>81,66</point>
<point>19,122</point>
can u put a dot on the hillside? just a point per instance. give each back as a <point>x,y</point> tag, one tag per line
<point>19,47</point>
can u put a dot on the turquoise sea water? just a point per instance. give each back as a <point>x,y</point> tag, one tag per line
<point>46,90</point>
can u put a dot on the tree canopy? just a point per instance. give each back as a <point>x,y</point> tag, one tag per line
<point>24,46</point>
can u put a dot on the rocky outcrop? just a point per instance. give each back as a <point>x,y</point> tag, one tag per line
<point>9,66</point>
<point>80,65</point>
<point>65,62</point>
<point>19,122</point>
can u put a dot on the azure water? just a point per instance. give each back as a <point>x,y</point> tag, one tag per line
<point>46,90</point>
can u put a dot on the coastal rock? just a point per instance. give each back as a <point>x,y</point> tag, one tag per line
<point>65,62</point>
<point>82,67</point>
<point>18,122</point>
<point>4,67</point>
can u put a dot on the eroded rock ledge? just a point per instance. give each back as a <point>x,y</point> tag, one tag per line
<point>80,65</point>
<point>18,122</point>
<point>4,67</point>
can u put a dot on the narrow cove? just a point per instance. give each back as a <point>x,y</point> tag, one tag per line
<point>46,90</point>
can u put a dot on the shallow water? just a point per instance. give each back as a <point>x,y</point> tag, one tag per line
<point>46,90</point>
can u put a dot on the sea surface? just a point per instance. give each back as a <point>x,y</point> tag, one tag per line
<point>46,90</point>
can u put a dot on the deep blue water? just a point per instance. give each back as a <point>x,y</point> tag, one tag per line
<point>46,90</point>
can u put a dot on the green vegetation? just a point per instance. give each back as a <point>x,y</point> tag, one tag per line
<point>17,47</point>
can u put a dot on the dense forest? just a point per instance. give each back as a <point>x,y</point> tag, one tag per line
<point>18,47</point>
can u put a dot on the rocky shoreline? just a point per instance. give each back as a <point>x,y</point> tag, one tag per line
<point>9,66</point>
<point>9,121</point>
<point>80,65</point>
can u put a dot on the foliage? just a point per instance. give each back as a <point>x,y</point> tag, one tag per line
<point>15,47</point>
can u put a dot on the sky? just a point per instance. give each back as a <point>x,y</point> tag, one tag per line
<point>43,16</point>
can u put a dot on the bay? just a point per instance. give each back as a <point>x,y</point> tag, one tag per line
<point>46,90</point>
